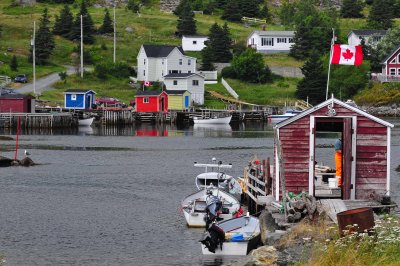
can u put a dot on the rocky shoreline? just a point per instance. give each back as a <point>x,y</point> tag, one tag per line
<point>382,111</point>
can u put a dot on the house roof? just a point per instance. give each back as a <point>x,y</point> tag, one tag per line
<point>176,92</point>
<point>327,102</point>
<point>274,33</point>
<point>15,96</point>
<point>181,75</point>
<point>194,36</point>
<point>160,50</point>
<point>79,91</point>
<point>149,93</point>
<point>368,32</point>
<point>384,62</point>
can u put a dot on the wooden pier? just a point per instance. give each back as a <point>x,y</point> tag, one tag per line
<point>33,120</point>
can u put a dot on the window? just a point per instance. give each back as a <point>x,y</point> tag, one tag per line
<point>281,40</point>
<point>144,61</point>
<point>398,72</point>
<point>175,82</point>
<point>144,72</point>
<point>267,41</point>
<point>291,40</point>
<point>73,97</point>
<point>174,71</point>
<point>189,71</point>
<point>376,38</point>
<point>189,62</point>
<point>180,61</point>
<point>180,71</point>
<point>195,82</point>
<point>194,42</point>
<point>398,58</point>
<point>146,100</point>
<point>393,61</point>
<point>392,71</point>
<point>162,62</point>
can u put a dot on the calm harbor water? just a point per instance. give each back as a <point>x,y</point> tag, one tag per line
<point>112,196</point>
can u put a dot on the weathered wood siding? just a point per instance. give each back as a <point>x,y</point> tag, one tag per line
<point>371,170</point>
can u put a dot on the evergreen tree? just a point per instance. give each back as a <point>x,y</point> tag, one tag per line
<point>88,28</point>
<point>313,85</point>
<point>186,22</point>
<point>44,40</point>
<point>207,59</point>
<point>182,5</point>
<point>287,13</point>
<point>14,63</point>
<point>381,14</point>
<point>232,11</point>
<point>249,8</point>
<point>351,9</point>
<point>107,26</point>
<point>220,43</point>
<point>384,48</point>
<point>264,13</point>
<point>63,23</point>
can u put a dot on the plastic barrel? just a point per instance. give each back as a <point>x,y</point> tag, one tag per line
<point>363,217</point>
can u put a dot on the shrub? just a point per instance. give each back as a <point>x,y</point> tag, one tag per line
<point>228,72</point>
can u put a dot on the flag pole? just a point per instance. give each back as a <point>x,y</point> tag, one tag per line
<point>330,58</point>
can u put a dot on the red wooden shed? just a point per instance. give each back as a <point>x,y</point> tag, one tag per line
<point>16,103</point>
<point>151,101</point>
<point>365,150</point>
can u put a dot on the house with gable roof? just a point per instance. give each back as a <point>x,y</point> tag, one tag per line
<point>271,41</point>
<point>371,37</point>
<point>156,61</point>
<point>390,68</point>
<point>192,82</point>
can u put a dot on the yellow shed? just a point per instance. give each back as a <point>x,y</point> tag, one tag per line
<point>179,99</point>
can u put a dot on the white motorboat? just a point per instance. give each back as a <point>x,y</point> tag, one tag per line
<point>236,236</point>
<point>274,119</point>
<point>195,206</point>
<point>217,178</point>
<point>213,120</point>
<point>86,121</point>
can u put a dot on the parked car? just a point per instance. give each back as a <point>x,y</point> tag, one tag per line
<point>21,78</point>
<point>109,102</point>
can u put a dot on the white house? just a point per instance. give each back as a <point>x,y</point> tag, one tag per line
<point>156,61</point>
<point>192,82</point>
<point>193,42</point>
<point>371,37</point>
<point>271,41</point>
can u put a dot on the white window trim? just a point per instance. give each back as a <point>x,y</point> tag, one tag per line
<point>175,82</point>
<point>73,97</point>
<point>146,100</point>
<point>390,71</point>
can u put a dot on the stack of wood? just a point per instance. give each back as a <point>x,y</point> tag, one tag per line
<point>300,207</point>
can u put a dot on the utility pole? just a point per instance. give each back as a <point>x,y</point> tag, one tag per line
<point>34,57</point>
<point>115,36</point>
<point>81,47</point>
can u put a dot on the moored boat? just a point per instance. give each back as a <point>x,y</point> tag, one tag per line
<point>198,206</point>
<point>213,120</point>
<point>236,236</point>
<point>274,119</point>
<point>86,121</point>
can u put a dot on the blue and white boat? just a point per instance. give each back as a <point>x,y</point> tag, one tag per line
<point>274,119</point>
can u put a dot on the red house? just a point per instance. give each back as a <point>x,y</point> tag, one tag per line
<point>16,103</point>
<point>151,101</point>
<point>365,150</point>
<point>390,67</point>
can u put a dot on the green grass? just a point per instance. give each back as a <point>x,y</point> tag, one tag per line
<point>379,94</point>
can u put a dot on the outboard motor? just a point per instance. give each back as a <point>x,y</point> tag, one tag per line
<point>214,237</point>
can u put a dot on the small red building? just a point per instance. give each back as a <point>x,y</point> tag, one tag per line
<point>151,101</point>
<point>365,150</point>
<point>16,103</point>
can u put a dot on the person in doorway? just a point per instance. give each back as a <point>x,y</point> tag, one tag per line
<point>338,161</point>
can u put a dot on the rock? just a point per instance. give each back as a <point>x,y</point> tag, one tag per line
<point>26,162</point>
<point>273,237</point>
<point>267,225</point>
<point>265,255</point>
<point>5,162</point>
<point>129,29</point>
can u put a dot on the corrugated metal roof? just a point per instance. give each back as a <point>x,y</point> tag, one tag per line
<point>176,92</point>
<point>327,102</point>
<point>79,91</point>
<point>160,50</point>
<point>15,96</point>
<point>148,93</point>
<point>274,33</point>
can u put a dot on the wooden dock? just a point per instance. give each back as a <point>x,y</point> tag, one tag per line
<point>34,120</point>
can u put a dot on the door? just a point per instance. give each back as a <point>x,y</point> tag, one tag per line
<point>186,101</point>
<point>347,158</point>
<point>162,104</point>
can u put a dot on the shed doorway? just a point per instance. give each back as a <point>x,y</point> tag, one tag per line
<point>325,132</point>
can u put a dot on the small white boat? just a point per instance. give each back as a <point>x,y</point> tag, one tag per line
<point>194,206</point>
<point>86,121</point>
<point>236,236</point>
<point>274,119</point>
<point>213,120</point>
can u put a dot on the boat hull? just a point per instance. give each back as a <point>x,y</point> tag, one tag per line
<point>234,248</point>
<point>219,120</point>
<point>86,121</point>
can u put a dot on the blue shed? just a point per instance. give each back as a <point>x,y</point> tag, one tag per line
<point>78,99</point>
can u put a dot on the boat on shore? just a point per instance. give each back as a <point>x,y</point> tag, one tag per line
<point>213,120</point>
<point>86,121</point>
<point>274,119</point>
<point>198,206</point>
<point>236,236</point>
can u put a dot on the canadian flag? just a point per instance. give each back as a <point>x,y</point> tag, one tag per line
<point>344,54</point>
<point>147,83</point>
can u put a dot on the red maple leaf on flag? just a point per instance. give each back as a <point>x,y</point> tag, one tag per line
<point>348,54</point>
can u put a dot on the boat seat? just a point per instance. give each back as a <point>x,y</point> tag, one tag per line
<point>200,205</point>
